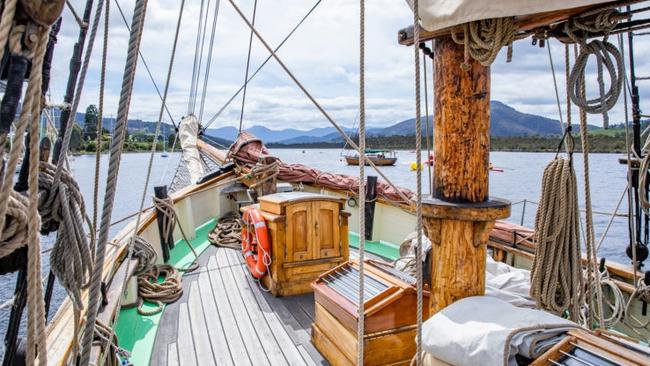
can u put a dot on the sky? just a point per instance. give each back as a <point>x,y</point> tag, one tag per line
<point>323,54</point>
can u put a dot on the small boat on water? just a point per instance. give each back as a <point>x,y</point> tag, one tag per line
<point>380,157</point>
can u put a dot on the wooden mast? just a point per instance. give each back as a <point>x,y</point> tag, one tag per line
<point>460,214</point>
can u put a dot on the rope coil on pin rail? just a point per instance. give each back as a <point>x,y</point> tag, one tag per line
<point>483,39</point>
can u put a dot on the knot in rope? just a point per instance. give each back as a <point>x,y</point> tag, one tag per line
<point>483,39</point>
<point>600,21</point>
<point>227,231</point>
<point>61,206</point>
<point>145,253</point>
<point>160,293</point>
<point>556,274</point>
<point>14,234</point>
<point>607,58</point>
<point>642,291</point>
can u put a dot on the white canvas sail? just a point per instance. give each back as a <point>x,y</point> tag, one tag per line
<point>440,14</point>
<point>188,134</point>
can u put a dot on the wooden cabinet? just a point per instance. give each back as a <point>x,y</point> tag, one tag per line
<point>309,236</point>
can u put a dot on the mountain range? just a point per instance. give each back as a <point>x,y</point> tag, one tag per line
<point>505,121</point>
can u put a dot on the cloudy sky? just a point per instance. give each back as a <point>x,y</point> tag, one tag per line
<point>323,54</point>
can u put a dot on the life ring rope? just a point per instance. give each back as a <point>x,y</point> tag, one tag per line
<point>256,247</point>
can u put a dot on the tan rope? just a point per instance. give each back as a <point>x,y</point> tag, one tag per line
<point>483,39</point>
<point>165,292</point>
<point>227,232</point>
<point>556,274</point>
<point>170,220</point>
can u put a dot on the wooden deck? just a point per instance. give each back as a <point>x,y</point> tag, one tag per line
<point>225,318</point>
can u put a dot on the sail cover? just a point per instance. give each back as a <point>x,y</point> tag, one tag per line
<point>188,132</point>
<point>440,14</point>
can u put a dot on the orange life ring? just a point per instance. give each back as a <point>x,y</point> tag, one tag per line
<point>255,248</point>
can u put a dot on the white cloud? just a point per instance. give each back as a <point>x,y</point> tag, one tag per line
<point>323,54</point>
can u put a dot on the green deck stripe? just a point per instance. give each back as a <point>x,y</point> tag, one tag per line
<point>381,248</point>
<point>137,333</point>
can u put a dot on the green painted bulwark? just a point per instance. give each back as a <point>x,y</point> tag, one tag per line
<point>381,248</point>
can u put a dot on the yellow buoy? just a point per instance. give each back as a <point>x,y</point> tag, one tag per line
<point>414,166</point>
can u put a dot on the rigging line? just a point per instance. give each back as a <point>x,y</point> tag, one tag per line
<point>164,173</point>
<point>248,63</point>
<point>557,93</point>
<point>117,146</point>
<point>362,184</point>
<point>198,73</point>
<point>153,147</point>
<point>277,48</point>
<point>196,57</point>
<point>214,141</point>
<point>146,65</point>
<point>207,68</point>
<point>428,126</point>
<point>418,191</point>
<point>317,105</point>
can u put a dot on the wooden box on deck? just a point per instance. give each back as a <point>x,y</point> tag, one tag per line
<point>309,236</point>
<point>390,322</point>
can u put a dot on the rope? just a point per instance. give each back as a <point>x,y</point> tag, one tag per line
<point>209,63</point>
<point>14,235</point>
<point>160,293</point>
<point>61,206</point>
<point>248,62</point>
<point>286,38</point>
<point>262,173</point>
<point>617,306</point>
<point>99,127</point>
<point>7,21</point>
<point>113,170</point>
<point>316,104</point>
<point>556,277</point>
<point>170,219</point>
<point>227,232</point>
<point>362,183</point>
<point>642,293</point>
<point>107,339</point>
<point>145,253</point>
<point>483,39</point>
<point>593,273</point>
<point>418,189</point>
<point>198,56</point>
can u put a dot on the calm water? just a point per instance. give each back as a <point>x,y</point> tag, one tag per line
<point>520,180</point>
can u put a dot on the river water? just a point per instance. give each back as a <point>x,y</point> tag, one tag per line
<point>520,180</point>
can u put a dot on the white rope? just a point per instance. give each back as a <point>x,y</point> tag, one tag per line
<point>362,181</point>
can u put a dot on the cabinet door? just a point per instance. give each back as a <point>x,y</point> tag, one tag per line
<point>327,241</point>
<point>299,232</point>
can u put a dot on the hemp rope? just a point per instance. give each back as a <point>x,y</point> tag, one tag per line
<point>362,183</point>
<point>227,232</point>
<point>170,219</point>
<point>483,39</point>
<point>418,190</point>
<point>145,253</point>
<point>14,235</point>
<point>106,338</point>
<point>641,292</point>
<point>113,170</point>
<point>165,292</point>
<point>616,306</point>
<point>61,206</point>
<point>556,273</point>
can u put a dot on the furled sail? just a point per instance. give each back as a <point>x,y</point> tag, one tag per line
<point>188,134</point>
<point>440,14</point>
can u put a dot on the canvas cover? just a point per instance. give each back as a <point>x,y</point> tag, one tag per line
<point>440,14</point>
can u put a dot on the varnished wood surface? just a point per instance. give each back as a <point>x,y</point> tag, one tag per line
<point>224,318</point>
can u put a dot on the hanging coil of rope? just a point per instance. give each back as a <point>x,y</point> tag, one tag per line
<point>165,206</point>
<point>145,253</point>
<point>62,208</point>
<point>608,59</point>
<point>160,293</point>
<point>483,39</point>
<point>556,274</point>
<point>227,232</point>
<point>14,235</point>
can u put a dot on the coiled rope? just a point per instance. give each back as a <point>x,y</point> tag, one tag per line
<point>145,253</point>
<point>14,234</point>
<point>617,304</point>
<point>62,206</point>
<point>556,274</point>
<point>227,232</point>
<point>483,39</point>
<point>160,293</point>
<point>165,206</point>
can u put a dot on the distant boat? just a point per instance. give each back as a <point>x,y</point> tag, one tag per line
<point>380,157</point>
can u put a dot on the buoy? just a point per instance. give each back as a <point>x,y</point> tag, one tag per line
<point>414,166</point>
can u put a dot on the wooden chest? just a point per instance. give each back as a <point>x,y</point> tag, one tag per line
<point>309,236</point>
<point>389,315</point>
